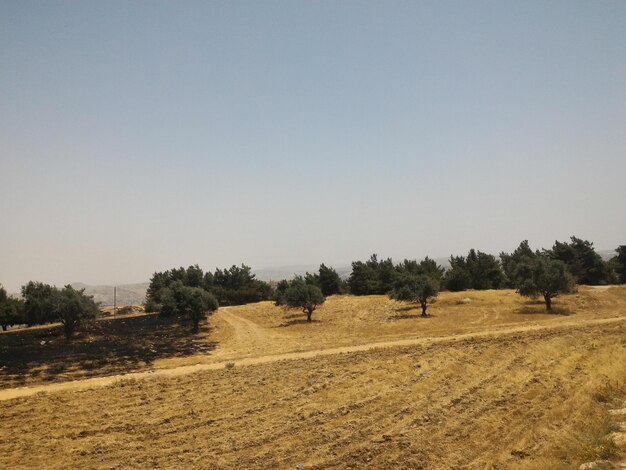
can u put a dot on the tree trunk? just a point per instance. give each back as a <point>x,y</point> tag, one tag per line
<point>68,328</point>
<point>309,314</point>
<point>548,300</point>
<point>423,308</point>
<point>4,327</point>
<point>196,323</point>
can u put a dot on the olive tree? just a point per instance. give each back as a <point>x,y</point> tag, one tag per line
<point>620,262</point>
<point>198,303</point>
<point>191,302</point>
<point>39,303</point>
<point>11,310</point>
<point>305,296</point>
<point>73,308</point>
<point>418,288</point>
<point>543,276</point>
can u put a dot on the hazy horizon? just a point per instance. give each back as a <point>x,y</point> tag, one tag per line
<point>136,137</point>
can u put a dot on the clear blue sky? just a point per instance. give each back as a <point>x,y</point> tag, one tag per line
<point>137,136</point>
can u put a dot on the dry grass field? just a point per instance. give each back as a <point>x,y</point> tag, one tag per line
<point>490,383</point>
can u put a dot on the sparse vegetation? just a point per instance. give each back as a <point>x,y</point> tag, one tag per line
<point>251,335</point>
<point>357,400</point>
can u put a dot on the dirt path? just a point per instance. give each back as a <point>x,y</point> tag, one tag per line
<point>246,336</point>
<point>248,333</point>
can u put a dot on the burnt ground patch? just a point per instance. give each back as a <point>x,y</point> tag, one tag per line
<point>111,346</point>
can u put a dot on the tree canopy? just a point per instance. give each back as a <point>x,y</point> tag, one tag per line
<point>419,288</point>
<point>11,310</point>
<point>379,276</point>
<point>329,281</point>
<point>39,303</point>
<point>543,276</point>
<point>73,308</point>
<point>305,296</point>
<point>509,262</point>
<point>619,262</point>
<point>185,301</point>
<point>231,286</point>
<point>477,270</point>
<point>583,262</point>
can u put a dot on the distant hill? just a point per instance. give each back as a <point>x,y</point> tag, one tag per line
<point>607,254</point>
<point>127,294</point>
<point>288,272</point>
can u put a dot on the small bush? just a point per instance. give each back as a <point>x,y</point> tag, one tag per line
<point>125,310</point>
<point>602,449</point>
<point>609,392</point>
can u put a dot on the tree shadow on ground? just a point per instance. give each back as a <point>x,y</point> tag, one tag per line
<point>290,316</point>
<point>104,347</point>
<point>406,308</point>
<point>536,307</point>
<point>397,315</point>
<point>296,321</point>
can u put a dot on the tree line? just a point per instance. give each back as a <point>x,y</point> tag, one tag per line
<point>42,303</point>
<point>192,293</point>
<point>479,270</point>
<point>230,286</point>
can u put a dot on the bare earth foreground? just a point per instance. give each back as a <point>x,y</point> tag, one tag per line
<point>489,383</point>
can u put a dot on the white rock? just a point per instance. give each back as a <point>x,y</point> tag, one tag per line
<point>597,465</point>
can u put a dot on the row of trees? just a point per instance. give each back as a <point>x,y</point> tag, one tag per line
<point>41,304</point>
<point>192,293</point>
<point>376,276</point>
<point>535,274</point>
<point>479,270</point>
<point>233,286</point>
<point>545,273</point>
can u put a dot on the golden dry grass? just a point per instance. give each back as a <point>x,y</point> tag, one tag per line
<point>519,398</point>
<point>349,320</point>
